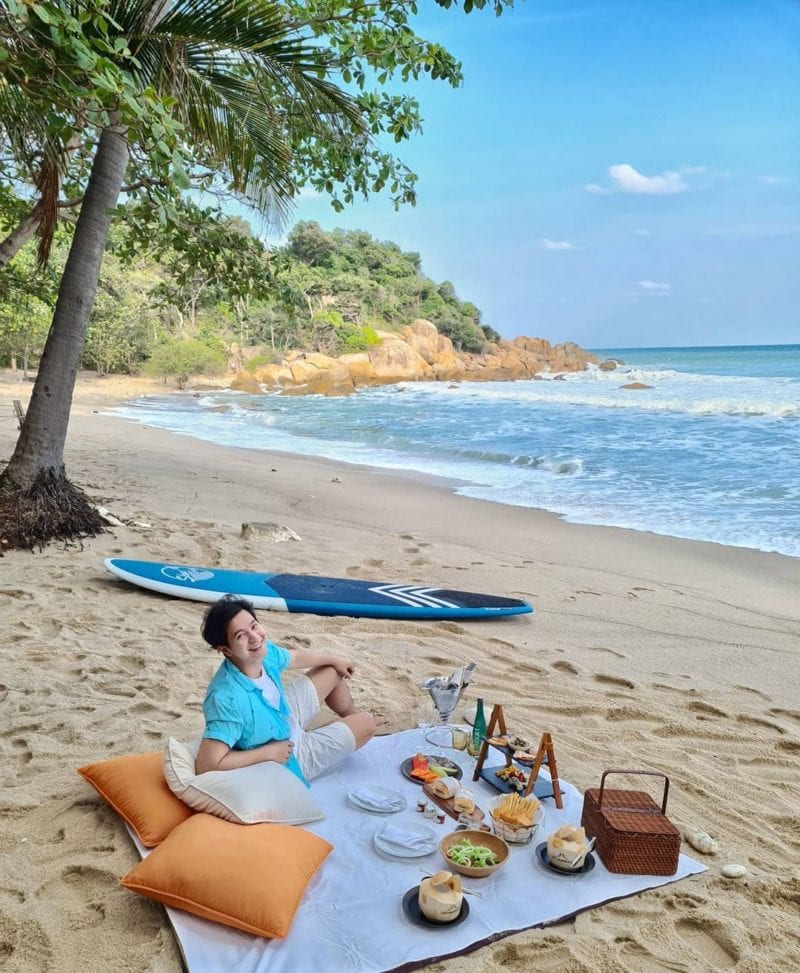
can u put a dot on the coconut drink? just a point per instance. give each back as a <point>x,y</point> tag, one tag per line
<point>440,897</point>
<point>568,847</point>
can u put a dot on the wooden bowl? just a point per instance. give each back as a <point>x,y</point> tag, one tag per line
<point>485,838</point>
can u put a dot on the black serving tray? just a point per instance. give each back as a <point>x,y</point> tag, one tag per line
<point>542,788</point>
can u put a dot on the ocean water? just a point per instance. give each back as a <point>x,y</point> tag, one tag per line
<point>711,451</point>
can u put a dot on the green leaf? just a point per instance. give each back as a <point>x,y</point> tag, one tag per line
<point>180,176</point>
<point>41,13</point>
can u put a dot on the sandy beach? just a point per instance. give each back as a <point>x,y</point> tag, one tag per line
<point>644,651</point>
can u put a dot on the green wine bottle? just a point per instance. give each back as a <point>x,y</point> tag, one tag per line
<point>478,728</point>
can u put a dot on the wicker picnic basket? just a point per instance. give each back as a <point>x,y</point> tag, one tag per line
<point>634,835</point>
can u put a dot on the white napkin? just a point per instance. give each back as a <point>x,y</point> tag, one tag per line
<point>406,839</point>
<point>376,799</point>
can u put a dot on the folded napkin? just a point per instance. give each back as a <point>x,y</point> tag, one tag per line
<point>376,799</point>
<point>406,839</point>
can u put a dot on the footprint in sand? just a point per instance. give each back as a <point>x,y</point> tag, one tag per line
<point>614,681</point>
<point>603,648</point>
<point>450,627</point>
<point>563,666</point>
<point>543,955</point>
<point>710,940</point>
<point>520,668</point>
<point>706,709</point>
<point>25,944</point>
<point>756,721</point>
<point>635,956</point>
<point>755,692</point>
<point>684,900</point>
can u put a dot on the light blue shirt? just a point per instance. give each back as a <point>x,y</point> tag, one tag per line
<point>238,715</point>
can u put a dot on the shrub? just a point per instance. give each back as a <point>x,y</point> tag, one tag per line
<point>257,361</point>
<point>181,359</point>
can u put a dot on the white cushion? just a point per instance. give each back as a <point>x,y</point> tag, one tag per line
<point>248,795</point>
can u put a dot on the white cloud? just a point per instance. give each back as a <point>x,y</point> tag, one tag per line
<point>642,233</point>
<point>776,180</point>
<point>592,187</point>
<point>628,180</point>
<point>656,288</point>
<point>556,244</point>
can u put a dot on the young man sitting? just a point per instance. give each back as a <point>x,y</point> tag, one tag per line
<point>251,717</point>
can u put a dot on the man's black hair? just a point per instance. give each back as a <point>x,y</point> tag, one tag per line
<point>218,616</point>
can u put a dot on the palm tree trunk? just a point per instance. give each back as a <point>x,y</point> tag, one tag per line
<point>37,502</point>
<point>41,444</point>
<point>17,238</point>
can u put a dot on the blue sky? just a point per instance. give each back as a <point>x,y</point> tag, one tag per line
<point>616,174</point>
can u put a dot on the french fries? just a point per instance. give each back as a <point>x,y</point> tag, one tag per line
<point>517,811</point>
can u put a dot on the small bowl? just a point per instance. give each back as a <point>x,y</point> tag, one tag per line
<point>485,838</point>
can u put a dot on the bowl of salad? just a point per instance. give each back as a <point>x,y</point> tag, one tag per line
<point>475,854</point>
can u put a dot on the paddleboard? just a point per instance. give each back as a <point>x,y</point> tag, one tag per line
<point>316,595</point>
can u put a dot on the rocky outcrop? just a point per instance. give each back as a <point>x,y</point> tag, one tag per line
<point>417,353</point>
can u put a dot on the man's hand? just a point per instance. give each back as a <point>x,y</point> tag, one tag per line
<point>279,750</point>
<point>343,666</point>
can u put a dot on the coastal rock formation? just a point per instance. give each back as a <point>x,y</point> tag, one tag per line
<point>417,353</point>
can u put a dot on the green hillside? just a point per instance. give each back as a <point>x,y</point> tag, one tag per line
<point>174,305</point>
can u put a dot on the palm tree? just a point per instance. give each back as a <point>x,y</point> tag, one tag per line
<point>232,67</point>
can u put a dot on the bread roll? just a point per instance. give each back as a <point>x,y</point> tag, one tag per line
<point>464,801</point>
<point>445,787</point>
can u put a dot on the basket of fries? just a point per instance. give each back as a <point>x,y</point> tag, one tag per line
<point>515,818</point>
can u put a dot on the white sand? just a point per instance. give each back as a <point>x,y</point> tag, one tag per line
<point>644,651</point>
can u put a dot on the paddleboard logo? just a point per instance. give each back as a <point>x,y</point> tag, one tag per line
<point>413,595</point>
<point>179,573</point>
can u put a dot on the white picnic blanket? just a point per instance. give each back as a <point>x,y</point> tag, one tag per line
<point>351,919</point>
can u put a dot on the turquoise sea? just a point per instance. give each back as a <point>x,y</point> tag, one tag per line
<point>711,451</point>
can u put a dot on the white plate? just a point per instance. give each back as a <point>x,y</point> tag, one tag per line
<point>399,802</point>
<point>396,851</point>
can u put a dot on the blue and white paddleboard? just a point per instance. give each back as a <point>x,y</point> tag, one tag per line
<point>319,596</point>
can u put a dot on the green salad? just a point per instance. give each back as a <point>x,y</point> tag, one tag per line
<point>464,852</point>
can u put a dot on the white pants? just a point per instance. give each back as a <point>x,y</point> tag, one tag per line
<point>316,750</point>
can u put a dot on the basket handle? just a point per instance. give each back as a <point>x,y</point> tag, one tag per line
<point>649,773</point>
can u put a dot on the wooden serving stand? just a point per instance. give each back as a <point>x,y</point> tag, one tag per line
<point>544,756</point>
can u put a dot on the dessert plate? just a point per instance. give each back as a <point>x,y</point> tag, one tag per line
<point>377,800</point>
<point>417,850</point>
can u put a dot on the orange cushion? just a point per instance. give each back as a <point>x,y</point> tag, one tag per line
<point>135,787</point>
<point>249,876</point>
